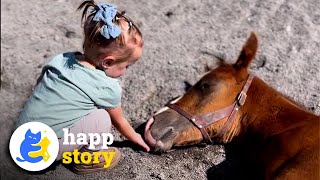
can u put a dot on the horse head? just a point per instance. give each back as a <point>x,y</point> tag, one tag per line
<point>217,95</point>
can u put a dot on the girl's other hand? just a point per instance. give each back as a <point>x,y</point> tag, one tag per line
<point>139,141</point>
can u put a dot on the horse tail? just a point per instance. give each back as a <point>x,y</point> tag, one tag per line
<point>20,160</point>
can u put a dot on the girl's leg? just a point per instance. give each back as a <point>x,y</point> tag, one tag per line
<point>96,122</point>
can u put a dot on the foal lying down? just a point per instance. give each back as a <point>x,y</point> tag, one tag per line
<point>279,138</point>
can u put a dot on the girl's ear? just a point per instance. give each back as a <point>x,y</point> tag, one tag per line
<point>107,62</point>
<point>247,53</point>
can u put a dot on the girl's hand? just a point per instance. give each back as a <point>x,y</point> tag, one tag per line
<point>139,141</point>
<point>122,125</point>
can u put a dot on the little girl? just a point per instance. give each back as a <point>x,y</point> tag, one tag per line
<point>79,91</point>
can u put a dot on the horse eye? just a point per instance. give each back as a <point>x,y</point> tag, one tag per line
<point>204,86</point>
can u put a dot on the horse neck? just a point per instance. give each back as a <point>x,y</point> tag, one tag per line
<point>267,112</point>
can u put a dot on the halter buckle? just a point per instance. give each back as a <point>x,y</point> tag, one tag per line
<point>241,99</point>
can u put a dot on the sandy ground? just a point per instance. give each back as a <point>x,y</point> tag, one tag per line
<point>181,37</point>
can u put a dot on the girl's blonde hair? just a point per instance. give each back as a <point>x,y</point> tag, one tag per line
<point>96,45</point>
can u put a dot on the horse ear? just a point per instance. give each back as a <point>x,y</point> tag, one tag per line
<point>247,53</point>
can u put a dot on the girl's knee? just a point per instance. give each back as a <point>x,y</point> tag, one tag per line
<point>103,119</point>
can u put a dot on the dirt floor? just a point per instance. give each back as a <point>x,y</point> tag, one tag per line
<point>181,39</point>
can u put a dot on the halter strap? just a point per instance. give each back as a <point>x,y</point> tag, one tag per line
<point>204,120</point>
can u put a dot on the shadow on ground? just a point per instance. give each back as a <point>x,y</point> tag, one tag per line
<point>235,166</point>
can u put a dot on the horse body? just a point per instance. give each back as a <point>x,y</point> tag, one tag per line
<point>279,137</point>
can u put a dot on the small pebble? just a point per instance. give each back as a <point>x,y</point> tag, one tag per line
<point>70,34</point>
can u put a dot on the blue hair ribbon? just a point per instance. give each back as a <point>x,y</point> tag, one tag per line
<point>106,13</point>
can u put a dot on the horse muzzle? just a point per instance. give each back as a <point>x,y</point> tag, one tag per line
<point>158,142</point>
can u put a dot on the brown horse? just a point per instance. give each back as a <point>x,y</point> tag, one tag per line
<point>280,138</point>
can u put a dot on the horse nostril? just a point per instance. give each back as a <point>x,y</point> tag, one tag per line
<point>166,133</point>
